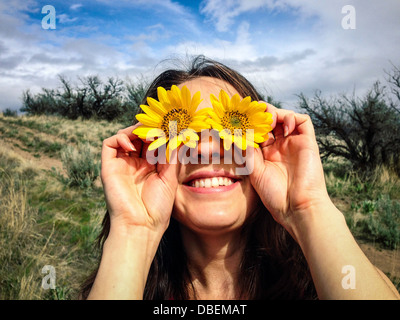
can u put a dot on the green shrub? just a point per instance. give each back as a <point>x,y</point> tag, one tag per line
<point>364,131</point>
<point>384,224</point>
<point>92,98</point>
<point>81,166</point>
<point>368,206</point>
<point>10,113</point>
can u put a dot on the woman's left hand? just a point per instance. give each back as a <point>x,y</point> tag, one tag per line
<point>288,174</point>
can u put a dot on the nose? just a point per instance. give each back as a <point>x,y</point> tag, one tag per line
<point>210,148</point>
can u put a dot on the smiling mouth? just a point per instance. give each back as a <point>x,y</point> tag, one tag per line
<point>213,182</point>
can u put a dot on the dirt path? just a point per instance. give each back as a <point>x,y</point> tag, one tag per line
<point>386,260</point>
<point>42,162</point>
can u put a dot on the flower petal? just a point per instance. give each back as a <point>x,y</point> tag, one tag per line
<point>167,153</point>
<point>227,142</point>
<point>148,132</point>
<point>225,134</point>
<point>244,104</point>
<point>258,117</point>
<point>174,143</point>
<point>176,96</point>
<point>188,134</point>
<point>215,125</point>
<point>174,99</point>
<point>235,100</point>
<point>162,95</point>
<point>189,138</point>
<point>186,97</point>
<point>156,106</point>
<point>258,138</point>
<point>147,120</point>
<point>190,143</point>
<point>225,100</point>
<point>215,117</point>
<point>205,112</point>
<point>151,113</point>
<point>240,142</point>
<point>252,144</point>
<point>196,99</point>
<point>219,108</point>
<point>199,125</point>
<point>227,138</point>
<point>157,143</point>
<point>256,106</point>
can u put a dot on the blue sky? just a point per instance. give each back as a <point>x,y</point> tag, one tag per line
<point>284,47</point>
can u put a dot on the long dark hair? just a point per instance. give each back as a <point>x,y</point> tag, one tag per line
<point>273,265</point>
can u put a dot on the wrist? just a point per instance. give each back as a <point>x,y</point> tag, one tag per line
<point>142,240</point>
<point>317,217</point>
<point>126,223</point>
<point>126,231</point>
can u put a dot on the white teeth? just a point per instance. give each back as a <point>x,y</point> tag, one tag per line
<point>212,182</point>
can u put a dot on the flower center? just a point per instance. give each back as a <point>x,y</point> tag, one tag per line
<point>235,120</point>
<point>175,121</point>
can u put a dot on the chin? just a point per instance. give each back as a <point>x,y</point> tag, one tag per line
<point>211,217</point>
<point>208,208</point>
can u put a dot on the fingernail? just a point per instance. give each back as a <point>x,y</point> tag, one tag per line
<point>285,131</point>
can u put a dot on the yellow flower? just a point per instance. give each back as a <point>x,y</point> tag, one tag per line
<point>172,119</point>
<point>242,122</point>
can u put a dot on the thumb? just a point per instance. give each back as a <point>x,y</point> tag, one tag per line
<point>168,174</point>
<point>259,167</point>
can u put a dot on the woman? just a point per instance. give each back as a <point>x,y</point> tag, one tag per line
<point>273,233</point>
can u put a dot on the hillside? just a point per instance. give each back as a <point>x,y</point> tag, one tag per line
<point>49,218</point>
<point>46,220</point>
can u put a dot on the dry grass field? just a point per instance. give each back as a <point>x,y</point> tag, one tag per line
<point>49,215</point>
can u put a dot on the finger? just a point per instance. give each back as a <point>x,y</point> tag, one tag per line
<point>272,110</point>
<point>258,165</point>
<point>295,122</point>
<point>304,124</point>
<point>112,145</point>
<point>168,173</point>
<point>136,141</point>
<point>129,131</point>
<point>281,113</point>
<point>289,123</point>
<point>284,123</point>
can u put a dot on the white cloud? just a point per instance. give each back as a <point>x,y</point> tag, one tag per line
<point>76,6</point>
<point>64,18</point>
<point>311,52</point>
<point>341,60</point>
<point>218,48</point>
<point>223,12</point>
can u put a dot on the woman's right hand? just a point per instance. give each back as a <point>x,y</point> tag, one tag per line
<point>137,193</point>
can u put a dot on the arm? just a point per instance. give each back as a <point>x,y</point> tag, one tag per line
<point>125,264</point>
<point>289,178</point>
<point>329,247</point>
<point>138,218</point>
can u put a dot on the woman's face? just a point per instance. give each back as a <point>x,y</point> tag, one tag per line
<point>212,197</point>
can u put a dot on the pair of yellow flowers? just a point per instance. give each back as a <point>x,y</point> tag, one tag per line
<point>174,119</point>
